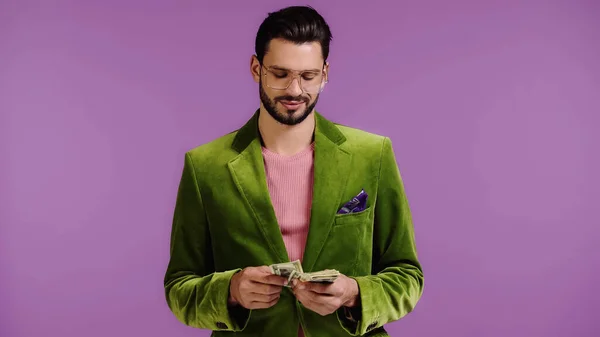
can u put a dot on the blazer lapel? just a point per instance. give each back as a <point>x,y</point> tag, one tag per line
<point>331,171</point>
<point>248,172</point>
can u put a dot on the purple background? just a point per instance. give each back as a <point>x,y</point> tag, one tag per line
<point>492,107</point>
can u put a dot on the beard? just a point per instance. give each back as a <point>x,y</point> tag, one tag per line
<point>286,117</point>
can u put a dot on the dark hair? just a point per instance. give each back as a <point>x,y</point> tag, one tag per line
<point>299,24</point>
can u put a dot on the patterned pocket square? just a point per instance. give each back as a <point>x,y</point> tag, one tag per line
<point>357,204</point>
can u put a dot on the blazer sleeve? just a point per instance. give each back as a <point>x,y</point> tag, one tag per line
<point>196,293</point>
<point>396,283</point>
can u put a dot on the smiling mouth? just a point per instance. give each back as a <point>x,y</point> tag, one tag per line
<point>291,105</point>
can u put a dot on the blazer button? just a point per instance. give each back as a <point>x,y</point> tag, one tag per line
<point>221,325</point>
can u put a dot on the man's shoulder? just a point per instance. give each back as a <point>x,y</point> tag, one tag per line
<point>360,137</point>
<point>216,150</point>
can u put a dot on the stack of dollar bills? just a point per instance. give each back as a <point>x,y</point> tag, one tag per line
<point>293,270</point>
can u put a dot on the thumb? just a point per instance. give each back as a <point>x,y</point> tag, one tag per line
<point>264,270</point>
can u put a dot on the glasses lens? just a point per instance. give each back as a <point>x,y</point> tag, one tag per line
<point>281,79</point>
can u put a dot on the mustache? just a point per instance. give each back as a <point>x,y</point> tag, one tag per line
<point>292,98</point>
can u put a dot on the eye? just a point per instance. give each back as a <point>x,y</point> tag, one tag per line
<point>309,76</point>
<point>280,74</point>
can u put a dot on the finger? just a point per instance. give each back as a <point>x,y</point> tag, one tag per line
<point>317,307</point>
<point>321,288</point>
<point>299,284</point>
<point>253,297</point>
<point>319,303</point>
<point>263,288</point>
<point>264,301</point>
<point>321,299</point>
<point>323,308</point>
<point>266,298</point>
<point>304,295</point>
<point>271,279</point>
<point>258,272</point>
<point>300,295</point>
<point>315,297</point>
<point>262,305</point>
<point>263,269</point>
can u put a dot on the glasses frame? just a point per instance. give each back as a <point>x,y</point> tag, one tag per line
<point>296,74</point>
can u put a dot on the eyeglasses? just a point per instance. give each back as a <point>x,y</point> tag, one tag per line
<point>311,81</point>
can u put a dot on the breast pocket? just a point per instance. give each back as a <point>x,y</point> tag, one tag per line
<point>353,218</point>
<point>349,243</point>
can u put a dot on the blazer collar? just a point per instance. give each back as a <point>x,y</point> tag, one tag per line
<point>249,132</point>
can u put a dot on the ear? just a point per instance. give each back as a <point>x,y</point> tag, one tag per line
<point>326,72</point>
<point>255,68</point>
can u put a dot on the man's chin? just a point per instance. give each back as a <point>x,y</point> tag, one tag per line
<point>297,112</point>
<point>290,117</point>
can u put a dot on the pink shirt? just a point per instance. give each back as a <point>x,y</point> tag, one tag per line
<point>290,182</point>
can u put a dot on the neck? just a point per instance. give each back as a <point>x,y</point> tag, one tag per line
<point>285,139</point>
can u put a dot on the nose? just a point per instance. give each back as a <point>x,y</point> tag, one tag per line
<point>294,88</point>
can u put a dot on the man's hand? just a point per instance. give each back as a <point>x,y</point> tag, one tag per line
<point>255,288</point>
<point>326,298</point>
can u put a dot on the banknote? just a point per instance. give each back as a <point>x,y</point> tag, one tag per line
<point>328,276</point>
<point>293,270</point>
<point>287,268</point>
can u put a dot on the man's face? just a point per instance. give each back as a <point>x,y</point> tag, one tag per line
<point>300,66</point>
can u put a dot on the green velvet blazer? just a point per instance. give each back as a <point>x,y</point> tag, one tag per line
<point>224,221</point>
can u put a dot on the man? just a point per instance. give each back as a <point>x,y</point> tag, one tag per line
<point>270,192</point>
